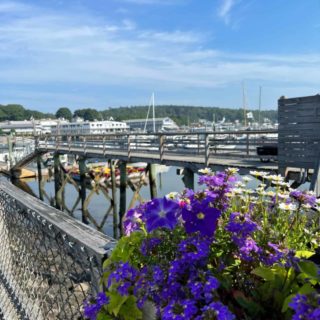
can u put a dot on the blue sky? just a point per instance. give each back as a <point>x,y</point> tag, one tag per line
<point>107,53</point>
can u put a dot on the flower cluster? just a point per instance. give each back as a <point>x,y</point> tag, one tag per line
<point>224,252</point>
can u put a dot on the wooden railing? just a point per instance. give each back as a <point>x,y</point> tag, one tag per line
<point>160,146</point>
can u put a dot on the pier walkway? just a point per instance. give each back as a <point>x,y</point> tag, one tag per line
<point>192,150</point>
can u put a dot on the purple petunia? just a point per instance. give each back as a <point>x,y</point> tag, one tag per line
<point>132,220</point>
<point>201,218</point>
<point>161,213</point>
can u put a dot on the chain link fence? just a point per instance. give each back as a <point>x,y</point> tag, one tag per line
<point>49,262</point>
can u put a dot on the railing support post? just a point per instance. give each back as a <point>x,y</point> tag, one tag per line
<point>188,178</point>
<point>161,146</point>
<point>57,180</point>
<point>39,160</point>
<point>152,180</point>
<point>114,200</point>
<point>83,189</point>
<point>129,147</point>
<point>207,150</point>
<point>123,193</point>
<point>247,144</point>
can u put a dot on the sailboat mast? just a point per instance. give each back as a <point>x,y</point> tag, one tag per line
<point>244,103</point>
<point>260,93</point>
<point>146,122</point>
<point>154,119</point>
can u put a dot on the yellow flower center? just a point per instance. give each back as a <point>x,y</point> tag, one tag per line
<point>200,215</point>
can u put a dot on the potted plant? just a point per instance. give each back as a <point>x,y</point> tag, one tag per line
<point>224,252</point>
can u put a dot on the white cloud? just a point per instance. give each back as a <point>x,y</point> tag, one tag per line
<point>60,48</point>
<point>225,8</point>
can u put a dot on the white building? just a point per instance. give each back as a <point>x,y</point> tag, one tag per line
<point>30,127</point>
<point>88,127</point>
<point>160,125</point>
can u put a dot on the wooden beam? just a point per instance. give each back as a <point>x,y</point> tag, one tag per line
<point>114,200</point>
<point>83,188</point>
<point>188,178</point>
<point>123,193</point>
<point>152,180</point>
<point>57,181</point>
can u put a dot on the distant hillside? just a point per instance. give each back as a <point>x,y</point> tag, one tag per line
<point>181,114</point>
<point>17,112</point>
<point>186,114</point>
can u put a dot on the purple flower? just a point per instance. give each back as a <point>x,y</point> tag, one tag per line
<point>210,286</point>
<point>216,310</point>
<point>194,248</point>
<point>180,310</point>
<point>91,310</point>
<point>303,197</point>
<point>273,255</point>
<point>241,224</point>
<point>196,289</point>
<point>306,306</point>
<point>248,248</point>
<point>161,213</point>
<point>201,217</point>
<point>148,245</point>
<point>132,221</point>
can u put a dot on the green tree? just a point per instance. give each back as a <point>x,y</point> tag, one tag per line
<point>64,113</point>
<point>88,114</point>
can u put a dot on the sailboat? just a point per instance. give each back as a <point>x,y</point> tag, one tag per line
<point>151,104</point>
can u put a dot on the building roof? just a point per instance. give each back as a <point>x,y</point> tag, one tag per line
<point>144,120</point>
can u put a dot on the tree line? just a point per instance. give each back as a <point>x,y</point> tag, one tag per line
<point>182,115</point>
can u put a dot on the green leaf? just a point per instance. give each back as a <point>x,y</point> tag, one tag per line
<point>303,254</point>
<point>129,310</point>
<point>306,289</point>
<point>116,302</point>
<point>104,316</point>
<point>310,269</point>
<point>264,272</point>
<point>286,302</point>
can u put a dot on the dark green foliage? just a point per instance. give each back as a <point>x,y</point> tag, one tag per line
<point>186,114</point>
<point>17,112</point>
<point>64,113</point>
<point>88,114</point>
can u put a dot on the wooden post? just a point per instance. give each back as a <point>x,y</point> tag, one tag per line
<point>10,149</point>
<point>83,189</point>
<point>247,144</point>
<point>188,178</point>
<point>114,200</point>
<point>161,146</point>
<point>129,145</point>
<point>123,193</point>
<point>57,181</point>
<point>39,160</point>
<point>152,180</point>
<point>315,180</point>
<point>207,150</point>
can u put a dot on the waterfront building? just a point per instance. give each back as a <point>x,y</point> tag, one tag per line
<point>29,126</point>
<point>89,127</point>
<point>160,125</point>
